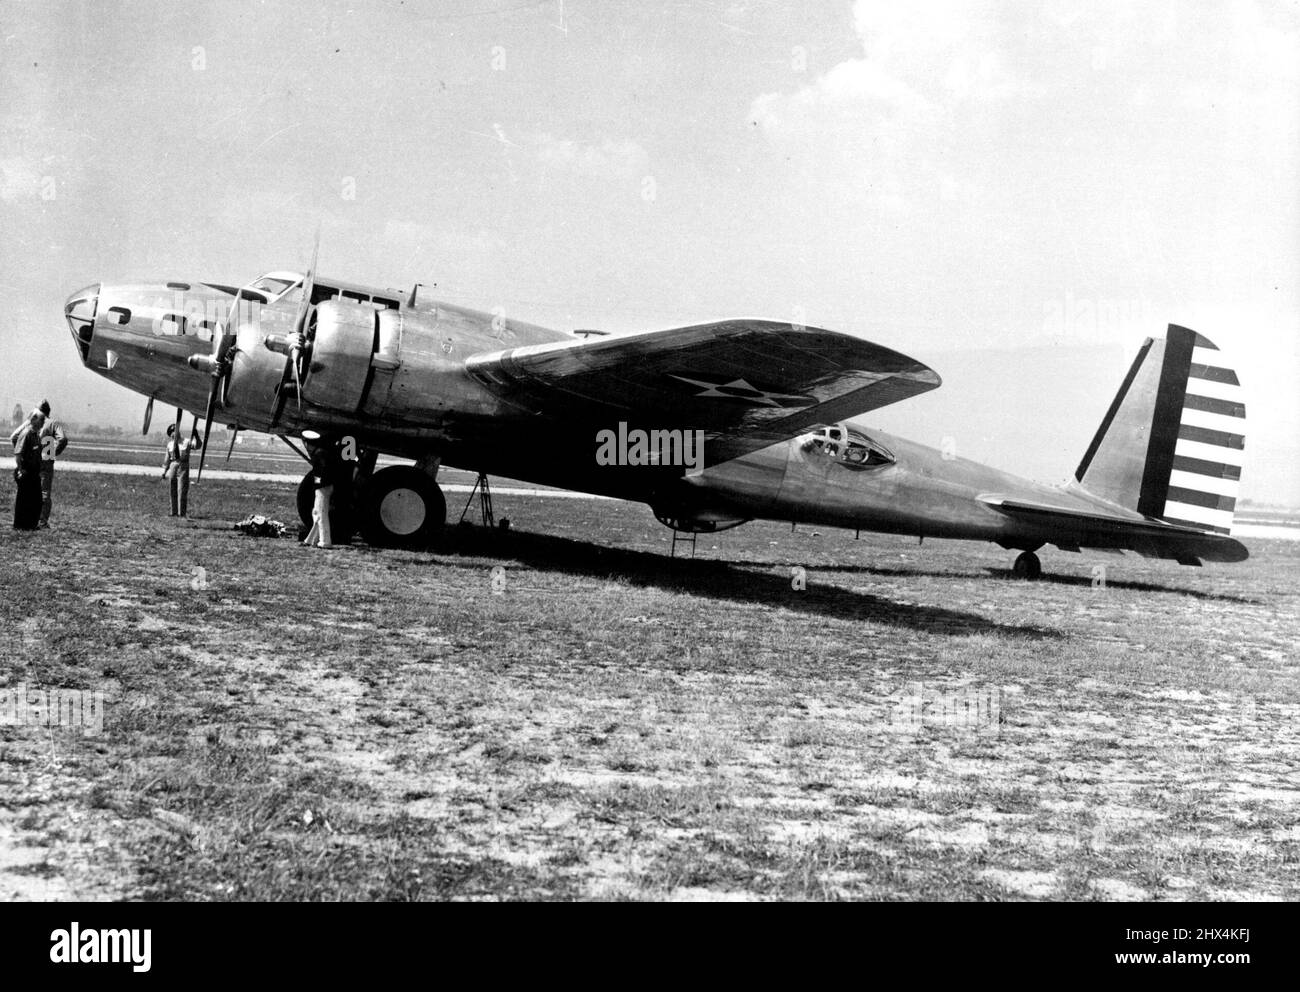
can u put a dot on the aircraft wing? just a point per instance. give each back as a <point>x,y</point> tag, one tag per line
<point>747,384</point>
<point>1074,527</point>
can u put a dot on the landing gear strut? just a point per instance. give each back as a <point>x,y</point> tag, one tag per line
<point>1027,566</point>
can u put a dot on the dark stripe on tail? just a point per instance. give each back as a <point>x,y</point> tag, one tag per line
<point>1216,470</point>
<point>1212,501</point>
<point>1209,404</point>
<point>1214,374</point>
<point>1167,419</point>
<point>1207,436</point>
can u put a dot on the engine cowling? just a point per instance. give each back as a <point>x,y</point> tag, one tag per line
<point>342,339</point>
<point>256,371</point>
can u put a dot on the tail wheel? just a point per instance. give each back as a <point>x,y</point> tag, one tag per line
<point>341,519</point>
<point>402,507</point>
<point>1027,566</point>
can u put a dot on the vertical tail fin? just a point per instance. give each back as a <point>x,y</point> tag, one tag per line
<point>1171,444</point>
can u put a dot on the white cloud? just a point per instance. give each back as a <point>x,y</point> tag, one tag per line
<point>941,87</point>
<point>918,59</point>
<point>607,160</point>
<point>881,119</point>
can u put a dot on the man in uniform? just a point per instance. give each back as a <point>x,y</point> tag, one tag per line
<point>176,468</point>
<point>53,441</point>
<point>324,466</point>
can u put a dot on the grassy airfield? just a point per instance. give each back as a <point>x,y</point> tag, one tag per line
<point>599,721</point>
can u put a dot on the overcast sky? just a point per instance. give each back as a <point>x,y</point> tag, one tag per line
<point>1047,183</point>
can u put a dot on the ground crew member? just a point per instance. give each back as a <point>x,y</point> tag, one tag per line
<point>27,472</point>
<point>53,441</point>
<point>324,472</point>
<point>176,468</point>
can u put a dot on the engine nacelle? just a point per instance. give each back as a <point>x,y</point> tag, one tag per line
<point>256,371</point>
<point>343,339</point>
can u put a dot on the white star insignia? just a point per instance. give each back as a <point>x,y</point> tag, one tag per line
<point>739,389</point>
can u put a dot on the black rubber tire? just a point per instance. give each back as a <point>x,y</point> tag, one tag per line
<point>341,519</point>
<point>405,523</point>
<point>1027,566</point>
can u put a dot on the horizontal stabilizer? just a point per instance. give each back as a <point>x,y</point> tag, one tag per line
<point>1101,530</point>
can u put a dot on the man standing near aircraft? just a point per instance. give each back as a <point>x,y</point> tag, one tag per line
<point>324,467</point>
<point>27,472</point>
<point>53,440</point>
<point>176,469</point>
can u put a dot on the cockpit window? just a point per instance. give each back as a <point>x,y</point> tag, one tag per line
<point>847,446</point>
<point>271,285</point>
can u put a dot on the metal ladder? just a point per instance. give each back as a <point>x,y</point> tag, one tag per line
<point>684,537</point>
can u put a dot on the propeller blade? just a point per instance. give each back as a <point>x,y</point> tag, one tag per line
<point>299,334</point>
<point>310,281</point>
<point>308,284</point>
<point>231,450</point>
<point>231,324</point>
<point>207,426</point>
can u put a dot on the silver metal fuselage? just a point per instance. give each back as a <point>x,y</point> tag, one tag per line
<point>423,401</point>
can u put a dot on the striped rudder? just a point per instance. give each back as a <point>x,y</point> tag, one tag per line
<point>1171,444</point>
<point>1205,469</point>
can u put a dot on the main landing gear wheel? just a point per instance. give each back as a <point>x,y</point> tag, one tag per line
<point>401,507</point>
<point>1027,566</point>
<point>341,521</point>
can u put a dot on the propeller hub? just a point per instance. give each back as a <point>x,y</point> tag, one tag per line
<point>279,343</point>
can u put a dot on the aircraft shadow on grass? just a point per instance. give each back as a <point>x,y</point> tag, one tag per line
<point>737,582</point>
<point>1006,573</point>
<point>1112,583</point>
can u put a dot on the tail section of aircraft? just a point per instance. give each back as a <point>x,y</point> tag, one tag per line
<point>1171,444</point>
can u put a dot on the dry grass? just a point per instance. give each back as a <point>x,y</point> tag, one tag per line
<point>363,725</point>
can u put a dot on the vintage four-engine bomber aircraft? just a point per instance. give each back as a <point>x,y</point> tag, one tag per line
<point>444,385</point>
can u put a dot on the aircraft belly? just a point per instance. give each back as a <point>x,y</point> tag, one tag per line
<point>924,496</point>
<point>752,482</point>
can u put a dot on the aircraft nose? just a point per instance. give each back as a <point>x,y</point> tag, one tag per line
<point>80,311</point>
